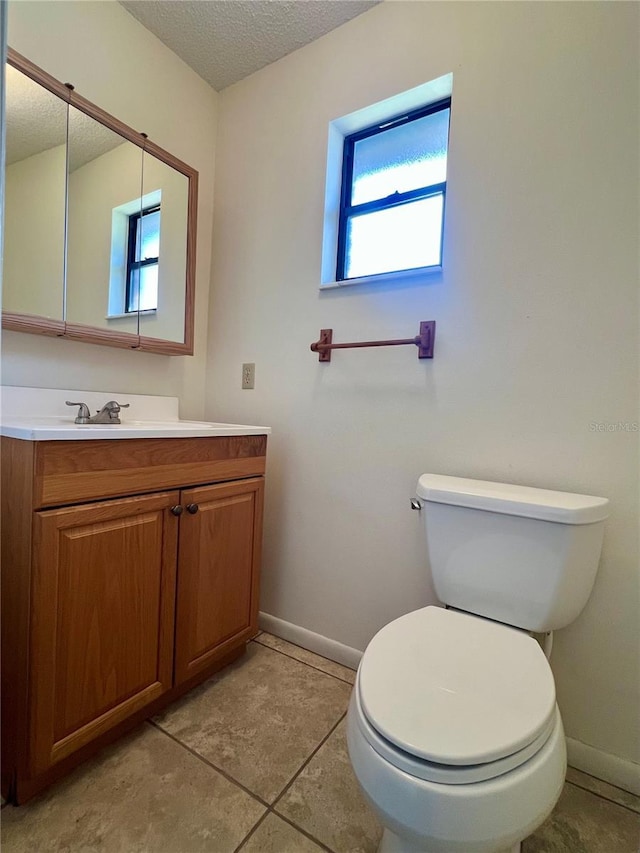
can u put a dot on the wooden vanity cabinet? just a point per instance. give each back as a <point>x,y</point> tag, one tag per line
<point>113,607</point>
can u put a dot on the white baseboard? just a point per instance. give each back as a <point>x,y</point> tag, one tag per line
<point>310,640</point>
<point>610,768</point>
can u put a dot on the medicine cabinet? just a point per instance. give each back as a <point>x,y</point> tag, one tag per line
<point>100,223</point>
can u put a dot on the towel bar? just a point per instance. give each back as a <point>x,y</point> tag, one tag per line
<point>424,341</point>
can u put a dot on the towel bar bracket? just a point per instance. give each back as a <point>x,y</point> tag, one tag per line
<point>426,338</point>
<point>326,337</point>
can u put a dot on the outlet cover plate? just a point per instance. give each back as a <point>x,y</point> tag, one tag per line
<point>248,376</point>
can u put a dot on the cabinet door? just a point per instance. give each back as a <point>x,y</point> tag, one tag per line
<point>102,619</point>
<point>218,572</point>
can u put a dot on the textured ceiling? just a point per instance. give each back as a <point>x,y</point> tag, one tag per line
<point>37,121</point>
<point>226,40</point>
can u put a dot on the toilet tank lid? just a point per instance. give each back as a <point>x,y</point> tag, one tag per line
<point>543,504</point>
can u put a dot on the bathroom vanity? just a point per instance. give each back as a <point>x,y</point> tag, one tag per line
<point>130,572</point>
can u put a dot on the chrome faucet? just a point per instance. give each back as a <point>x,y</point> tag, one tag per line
<point>108,414</point>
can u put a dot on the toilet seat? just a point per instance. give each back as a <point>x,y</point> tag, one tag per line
<point>452,697</point>
<point>443,773</point>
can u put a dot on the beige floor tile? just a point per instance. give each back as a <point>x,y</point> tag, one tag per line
<point>259,719</point>
<point>585,823</point>
<point>603,789</point>
<point>297,652</point>
<point>275,835</point>
<point>325,800</point>
<point>145,793</point>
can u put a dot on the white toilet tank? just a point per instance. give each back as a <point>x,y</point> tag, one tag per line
<point>524,556</point>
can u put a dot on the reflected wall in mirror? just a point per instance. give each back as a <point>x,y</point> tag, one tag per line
<point>121,244</point>
<point>35,186</point>
<point>105,185</point>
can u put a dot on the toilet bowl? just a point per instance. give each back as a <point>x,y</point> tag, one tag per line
<point>454,734</point>
<point>453,729</point>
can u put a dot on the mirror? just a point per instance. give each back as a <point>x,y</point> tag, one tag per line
<point>35,185</point>
<point>104,250</point>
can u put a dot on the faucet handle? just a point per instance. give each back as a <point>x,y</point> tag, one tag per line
<point>114,405</point>
<point>83,412</point>
<point>111,410</point>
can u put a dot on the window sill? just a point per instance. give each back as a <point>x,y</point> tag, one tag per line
<point>385,277</point>
<point>131,314</point>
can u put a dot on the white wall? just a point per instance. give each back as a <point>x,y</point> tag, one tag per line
<point>537,317</point>
<point>116,63</point>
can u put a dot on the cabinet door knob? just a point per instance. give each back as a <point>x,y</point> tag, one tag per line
<point>176,510</point>
<point>192,508</point>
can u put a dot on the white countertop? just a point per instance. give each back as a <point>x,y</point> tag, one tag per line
<point>59,429</point>
<point>40,414</point>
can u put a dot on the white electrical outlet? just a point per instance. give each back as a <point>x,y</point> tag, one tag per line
<point>248,376</point>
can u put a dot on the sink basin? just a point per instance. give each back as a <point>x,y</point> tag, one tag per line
<point>61,429</point>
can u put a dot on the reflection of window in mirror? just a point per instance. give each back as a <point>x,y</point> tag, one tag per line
<point>135,250</point>
<point>142,260</point>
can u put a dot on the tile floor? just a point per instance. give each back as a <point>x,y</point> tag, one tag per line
<point>255,761</point>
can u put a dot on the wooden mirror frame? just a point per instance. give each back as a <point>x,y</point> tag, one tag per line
<point>34,324</point>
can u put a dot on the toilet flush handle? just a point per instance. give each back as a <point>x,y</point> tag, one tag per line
<point>416,504</point>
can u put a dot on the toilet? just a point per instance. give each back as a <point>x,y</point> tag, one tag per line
<point>453,729</point>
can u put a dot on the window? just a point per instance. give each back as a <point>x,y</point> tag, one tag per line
<point>393,194</point>
<point>143,249</point>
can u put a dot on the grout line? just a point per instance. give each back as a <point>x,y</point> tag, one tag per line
<point>206,761</point>
<point>602,797</point>
<point>295,826</point>
<point>305,763</point>
<point>310,665</point>
<point>303,831</point>
<point>270,809</point>
<point>252,831</point>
